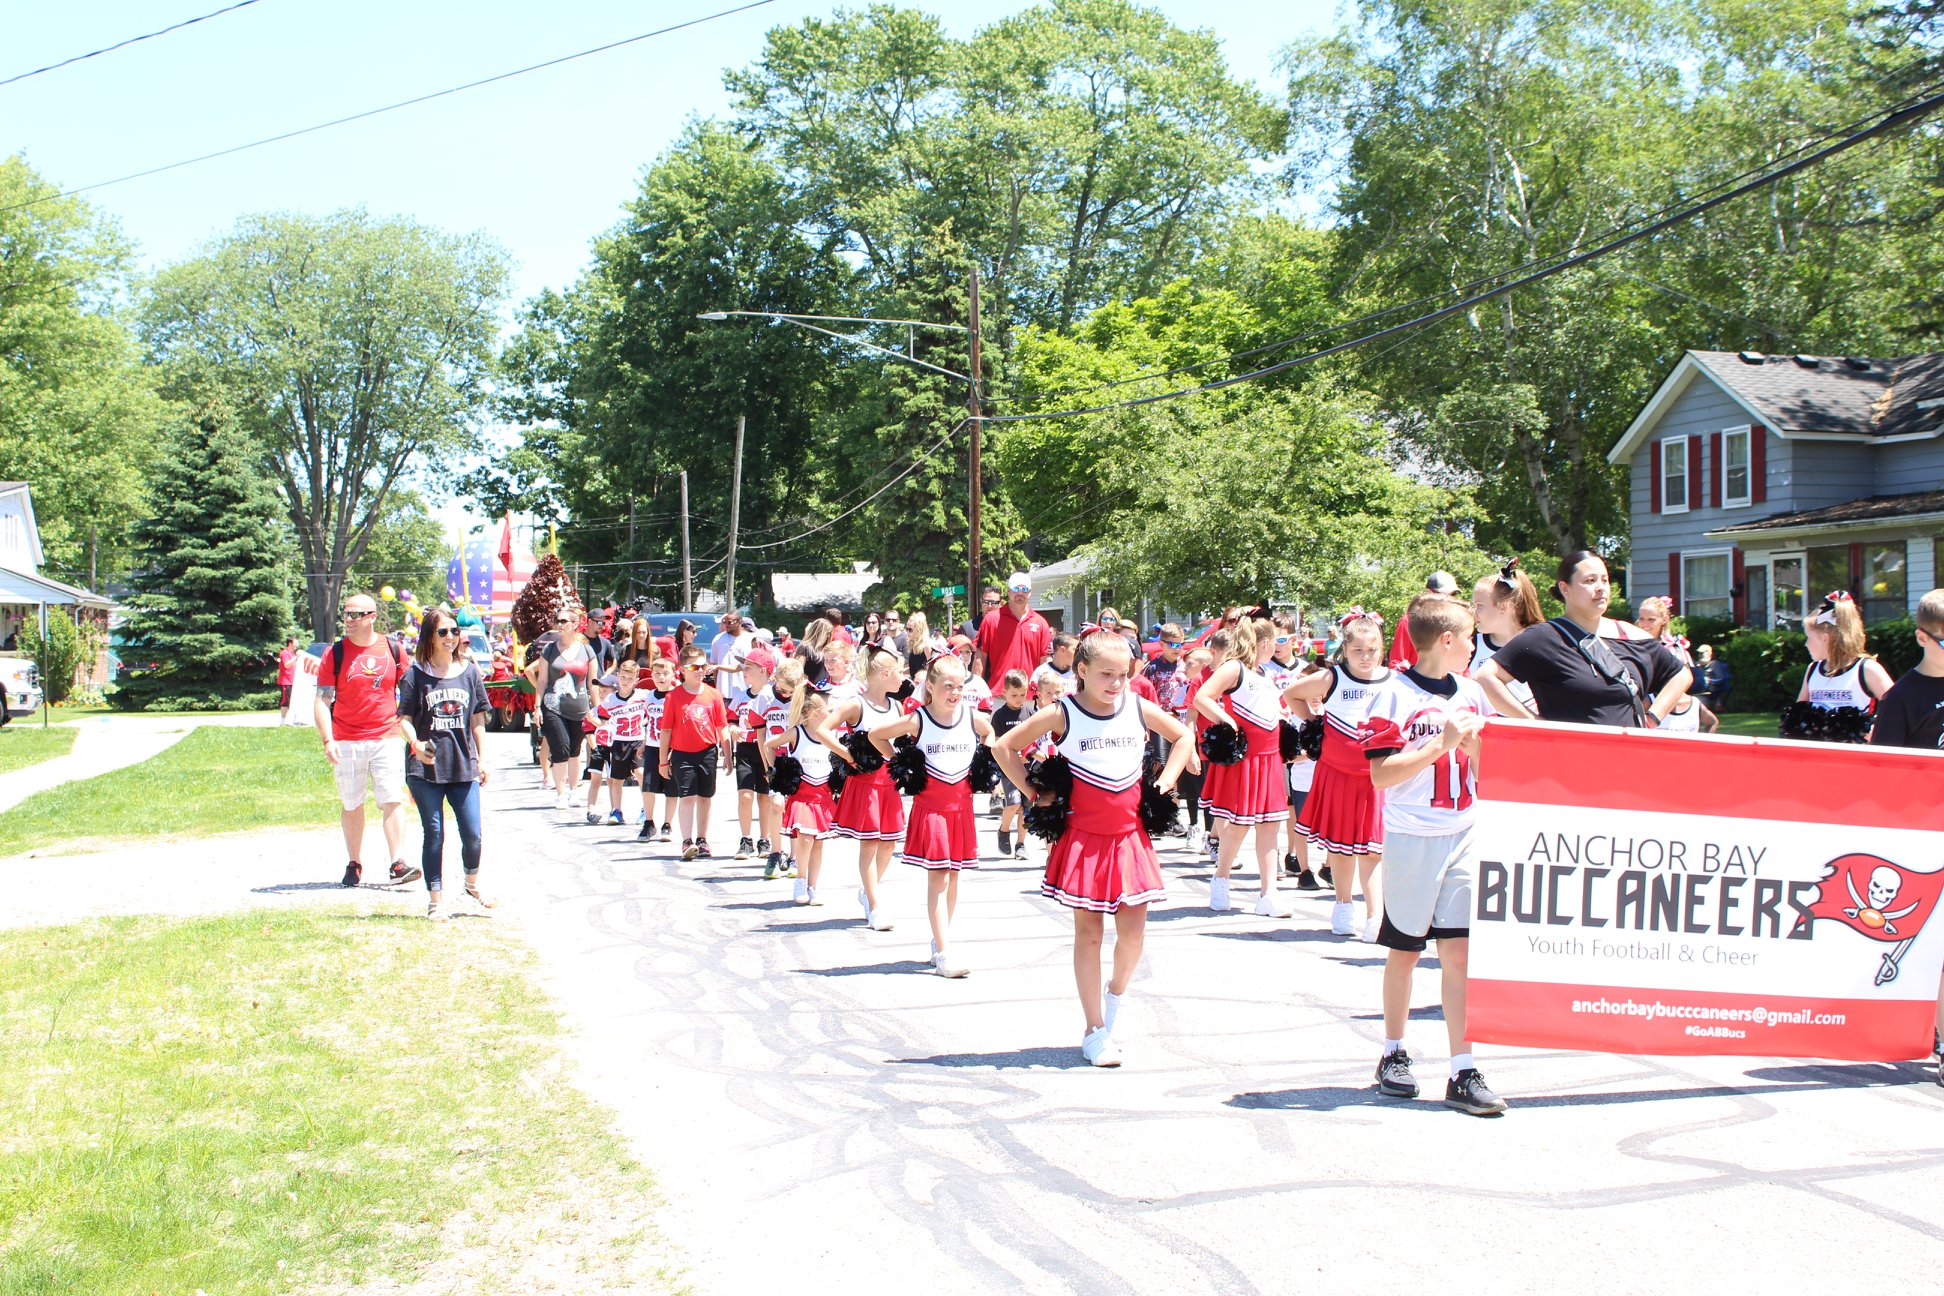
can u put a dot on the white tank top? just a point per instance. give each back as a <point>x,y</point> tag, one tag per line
<point>1257,700</point>
<point>1831,691</point>
<point>948,748</point>
<point>870,717</point>
<point>1483,651</point>
<point>1684,721</point>
<point>1347,705</point>
<point>1105,751</point>
<point>812,755</point>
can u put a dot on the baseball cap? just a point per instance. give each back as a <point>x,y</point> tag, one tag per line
<point>759,656</point>
<point>1441,582</point>
<point>957,642</point>
<point>765,636</point>
<point>1019,581</point>
<point>665,645</point>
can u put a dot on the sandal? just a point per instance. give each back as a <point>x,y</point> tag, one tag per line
<point>472,889</point>
<point>434,911</point>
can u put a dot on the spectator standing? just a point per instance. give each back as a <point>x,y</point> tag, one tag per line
<point>730,643</point>
<point>356,712</point>
<point>286,676</point>
<point>442,710</point>
<point>1014,636</point>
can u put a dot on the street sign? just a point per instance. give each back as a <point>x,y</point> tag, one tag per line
<point>947,591</point>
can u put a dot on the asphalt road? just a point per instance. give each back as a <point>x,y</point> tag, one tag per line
<point>825,1114</point>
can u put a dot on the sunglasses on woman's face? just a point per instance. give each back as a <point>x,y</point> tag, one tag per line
<point>447,632</point>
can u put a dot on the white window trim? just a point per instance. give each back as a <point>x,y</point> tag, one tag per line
<point>1688,555</point>
<point>1728,502</point>
<point>1787,555</point>
<point>1668,503</point>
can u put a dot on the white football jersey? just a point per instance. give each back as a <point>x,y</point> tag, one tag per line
<point>1404,716</point>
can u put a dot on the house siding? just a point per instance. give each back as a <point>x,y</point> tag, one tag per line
<point>1906,467</point>
<point>1823,473</point>
<point>1702,410</point>
<point>17,535</point>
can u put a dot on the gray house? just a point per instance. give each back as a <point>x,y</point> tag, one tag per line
<point>1762,482</point>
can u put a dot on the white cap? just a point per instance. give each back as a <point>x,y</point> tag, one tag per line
<point>1441,582</point>
<point>1019,581</point>
<point>766,636</point>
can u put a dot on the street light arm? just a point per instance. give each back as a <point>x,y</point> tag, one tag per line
<point>834,319</point>
<point>869,346</point>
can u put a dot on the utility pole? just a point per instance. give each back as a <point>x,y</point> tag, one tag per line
<point>973,484</point>
<point>93,580</point>
<point>688,586</point>
<point>735,517</point>
<point>631,548</point>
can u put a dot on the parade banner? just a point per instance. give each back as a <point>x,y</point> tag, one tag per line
<point>1658,893</point>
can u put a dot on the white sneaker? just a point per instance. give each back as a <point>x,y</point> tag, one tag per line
<point>1343,918</point>
<point>948,966</point>
<point>1274,904</point>
<point>1194,837</point>
<point>1371,927</point>
<point>1110,1006</point>
<point>1098,1047</point>
<point>1218,895</point>
<point>864,903</point>
<point>800,893</point>
<point>814,899</point>
<point>877,919</point>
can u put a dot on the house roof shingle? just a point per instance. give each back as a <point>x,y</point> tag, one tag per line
<point>1832,395</point>
<point>1875,508</point>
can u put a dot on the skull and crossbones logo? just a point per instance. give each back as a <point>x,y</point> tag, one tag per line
<point>1883,886</point>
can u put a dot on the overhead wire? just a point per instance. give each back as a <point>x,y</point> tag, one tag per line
<point>124,44</point>
<point>1889,121</point>
<point>387,108</point>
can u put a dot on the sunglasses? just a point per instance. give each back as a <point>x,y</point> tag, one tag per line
<point>351,614</point>
<point>564,621</point>
<point>1172,643</point>
<point>447,632</point>
<point>1283,639</point>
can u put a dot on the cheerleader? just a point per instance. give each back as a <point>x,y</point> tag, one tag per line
<point>1103,863</point>
<point>1195,669</point>
<point>1505,604</point>
<point>810,813</point>
<point>1841,674</point>
<point>1342,810</point>
<point>869,810</point>
<point>1253,793</point>
<point>1655,619</point>
<point>942,837</point>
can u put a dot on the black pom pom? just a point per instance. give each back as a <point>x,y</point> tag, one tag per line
<point>838,773</point>
<point>1312,739</point>
<point>1847,724</point>
<point>1802,720</point>
<point>1159,810</point>
<point>908,766</point>
<point>1046,822</point>
<point>865,756</point>
<point>984,775</point>
<point>1289,740</point>
<point>786,775</point>
<point>1223,745</point>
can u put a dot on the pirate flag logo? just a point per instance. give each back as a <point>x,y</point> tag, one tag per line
<point>1883,901</point>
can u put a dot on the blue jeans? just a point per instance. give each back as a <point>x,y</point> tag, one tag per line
<point>431,799</point>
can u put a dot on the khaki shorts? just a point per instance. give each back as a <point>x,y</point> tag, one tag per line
<point>376,762</point>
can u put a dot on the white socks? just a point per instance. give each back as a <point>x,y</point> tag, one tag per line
<point>1110,1005</point>
<point>1391,1046</point>
<point>1461,1062</point>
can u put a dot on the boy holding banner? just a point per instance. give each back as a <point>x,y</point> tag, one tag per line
<point>1421,739</point>
<point>1911,714</point>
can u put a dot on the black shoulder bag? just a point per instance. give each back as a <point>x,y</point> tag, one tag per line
<point>1607,667</point>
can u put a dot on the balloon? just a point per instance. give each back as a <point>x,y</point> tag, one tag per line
<point>405,596</point>
<point>388,594</point>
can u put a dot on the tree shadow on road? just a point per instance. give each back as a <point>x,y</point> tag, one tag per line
<point>864,969</point>
<point>1282,936</point>
<point>1064,1057</point>
<point>1321,1099</point>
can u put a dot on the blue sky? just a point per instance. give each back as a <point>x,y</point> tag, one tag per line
<point>541,163</point>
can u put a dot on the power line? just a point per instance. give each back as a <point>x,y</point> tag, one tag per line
<point>1889,121</point>
<point>394,107</point>
<point>922,456</point>
<point>1480,281</point>
<point>132,40</point>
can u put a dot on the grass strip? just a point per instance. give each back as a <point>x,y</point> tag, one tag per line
<point>25,743</point>
<point>219,778</point>
<point>296,1100</point>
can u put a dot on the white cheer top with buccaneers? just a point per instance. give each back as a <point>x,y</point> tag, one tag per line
<point>1407,713</point>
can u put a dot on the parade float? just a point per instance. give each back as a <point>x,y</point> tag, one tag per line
<point>484,581</point>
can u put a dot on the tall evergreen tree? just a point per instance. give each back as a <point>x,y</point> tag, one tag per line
<point>209,604</point>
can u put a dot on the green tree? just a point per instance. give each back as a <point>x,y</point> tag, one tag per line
<point>354,351</point>
<point>409,550</point>
<point>56,655</point>
<point>79,419</point>
<point>208,600</point>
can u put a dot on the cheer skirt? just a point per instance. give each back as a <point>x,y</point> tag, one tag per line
<point>1101,872</point>
<point>809,812</point>
<point>870,808</point>
<point>1254,790</point>
<point>942,833</point>
<point>1343,812</point>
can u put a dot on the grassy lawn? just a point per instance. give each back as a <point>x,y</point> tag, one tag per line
<point>23,744</point>
<point>1749,724</point>
<point>299,1100</point>
<point>217,779</point>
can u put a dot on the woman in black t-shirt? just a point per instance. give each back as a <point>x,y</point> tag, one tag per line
<point>442,710</point>
<point>1579,675</point>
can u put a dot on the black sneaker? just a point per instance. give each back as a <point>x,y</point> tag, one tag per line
<point>1467,1092</point>
<point>1290,867</point>
<point>770,869</point>
<point>1005,845</point>
<point>1394,1078</point>
<point>702,849</point>
<point>593,816</point>
<point>763,847</point>
<point>1329,880</point>
<point>668,832</point>
<point>774,866</point>
<point>1306,880</point>
<point>688,848</point>
<point>401,873</point>
<point>647,833</point>
<point>745,848</point>
<point>353,874</point>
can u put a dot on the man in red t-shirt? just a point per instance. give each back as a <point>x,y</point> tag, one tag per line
<point>1014,637</point>
<point>357,716</point>
<point>695,727</point>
